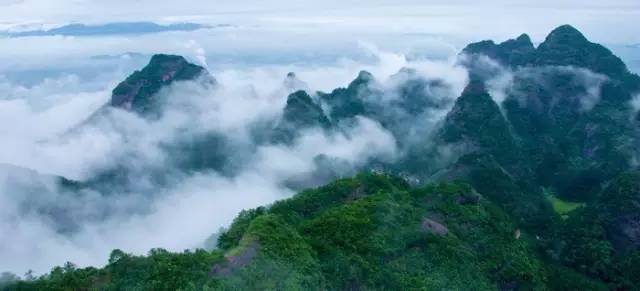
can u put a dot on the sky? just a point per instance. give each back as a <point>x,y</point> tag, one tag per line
<point>50,84</point>
<point>504,18</point>
<point>298,31</point>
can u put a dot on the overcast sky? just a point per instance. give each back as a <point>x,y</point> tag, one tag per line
<point>279,31</point>
<point>612,21</point>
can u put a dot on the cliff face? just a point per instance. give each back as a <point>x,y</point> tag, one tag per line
<point>137,92</point>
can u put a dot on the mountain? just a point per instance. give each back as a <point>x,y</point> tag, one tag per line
<point>346,103</point>
<point>490,157</point>
<point>38,194</point>
<point>300,113</point>
<point>513,52</point>
<point>568,105</point>
<point>137,92</point>
<point>603,238</point>
<point>116,28</point>
<point>536,189</point>
<point>368,232</point>
<point>564,46</point>
<point>140,94</point>
<point>476,122</point>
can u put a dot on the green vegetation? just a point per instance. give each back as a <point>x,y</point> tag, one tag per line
<point>372,231</point>
<point>563,207</point>
<point>560,206</point>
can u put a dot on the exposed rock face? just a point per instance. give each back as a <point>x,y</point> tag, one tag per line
<point>235,262</point>
<point>137,92</point>
<point>434,227</point>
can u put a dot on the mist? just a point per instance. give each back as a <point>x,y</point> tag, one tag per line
<point>61,127</point>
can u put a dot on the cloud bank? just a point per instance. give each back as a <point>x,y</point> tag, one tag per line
<point>53,132</point>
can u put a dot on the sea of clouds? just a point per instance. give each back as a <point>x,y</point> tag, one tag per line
<point>52,86</point>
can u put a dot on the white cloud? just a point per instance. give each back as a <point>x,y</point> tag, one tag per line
<point>635,104</point>
<point>41,120</point>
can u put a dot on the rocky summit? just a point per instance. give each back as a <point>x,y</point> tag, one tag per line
<point>137,92</point>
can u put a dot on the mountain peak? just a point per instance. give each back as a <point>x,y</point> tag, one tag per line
<point>363,78</point>
<point>566,35</point>
<point>513,52</point>
<point>474,87</point>
<point>300,112</point>
<point>136,92</point>
<point>364,75</point>
<point>524,38</point>
<point>164,59</point>
<point>303,110</point>
<point>566,46</point>
<point>299,96</point>
<point>521,42</point>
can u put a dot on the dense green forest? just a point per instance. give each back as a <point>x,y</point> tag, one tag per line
<point>373,231</point>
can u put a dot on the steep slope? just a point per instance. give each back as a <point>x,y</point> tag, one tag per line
<point>406,104</point>
<point>346,103</point>
<point>137,92</point>
<point>513,52</point>
<point>300,113</point>
<point>187,151</point>
<point>350,225</point>
<point>603,239</point>
<point>564,46</point>
<point>477,123</point>
<point>568,105</point>
<point>490,157</point>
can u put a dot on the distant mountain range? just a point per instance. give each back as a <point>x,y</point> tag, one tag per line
<point>116,28</point>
